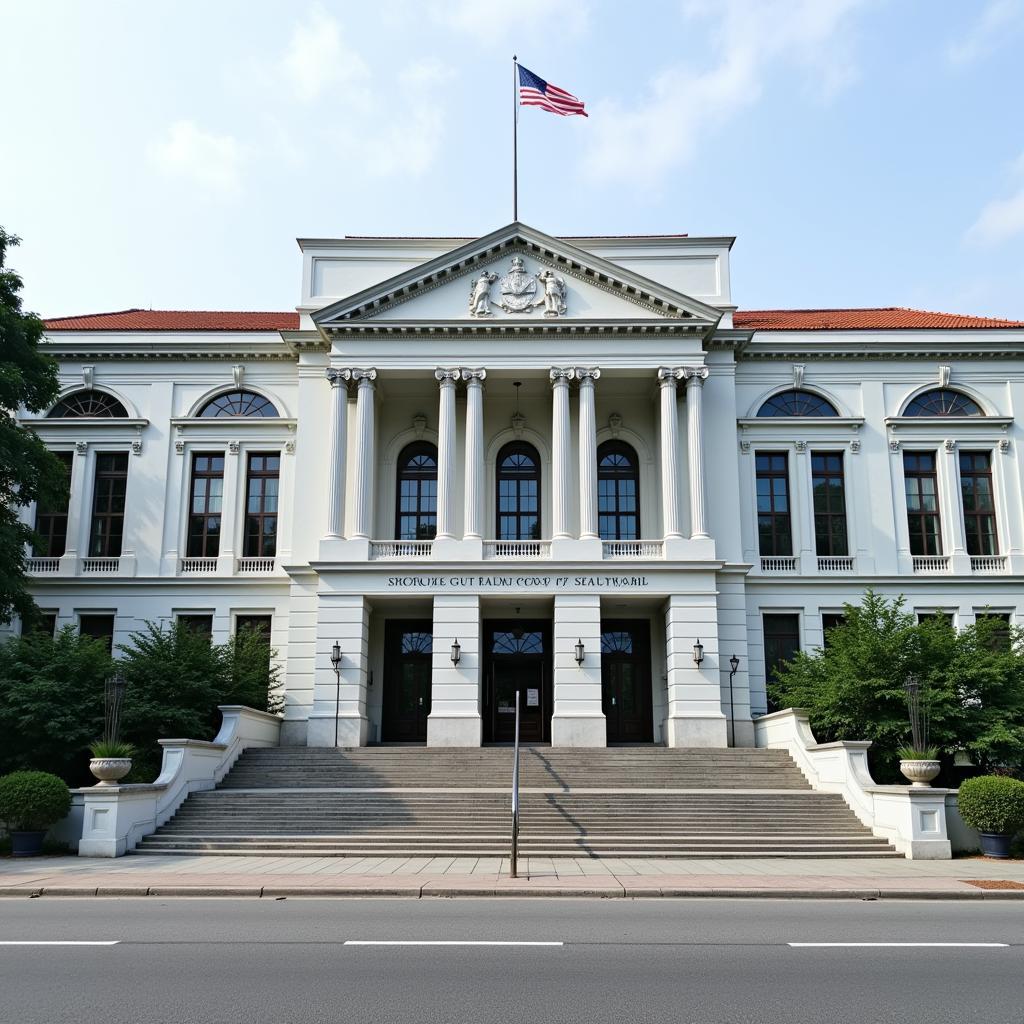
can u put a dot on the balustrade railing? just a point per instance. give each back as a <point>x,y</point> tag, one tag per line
<point>517,549</point>
<point>95,566</point>
<point>43,565</point>
<point>988,563</point>
<point>633,548</point>
<point>195,566</point>
<point>835,563</point>
<point>400,548</point>
<point>255,565</point>
<point>778,563</point>
<point>930,563</point>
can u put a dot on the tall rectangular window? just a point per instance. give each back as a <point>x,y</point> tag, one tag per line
<point>108,504</point>
<point>979,504</point>
<point>261,505</point>
<point>829,621</point>
<point>829,489</point>
<point>52,521</point>
<point>781,641</point>
<point>773,517</point>
<point>99,627</point>
<point>205,505</point>
<point>922,488</point>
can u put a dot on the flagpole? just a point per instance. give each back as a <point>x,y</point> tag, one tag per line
<point>515,138</point>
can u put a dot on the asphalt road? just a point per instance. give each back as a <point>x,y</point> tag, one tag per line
<point>701,961</point>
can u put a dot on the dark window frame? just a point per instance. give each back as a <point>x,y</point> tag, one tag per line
<point>52,524</point>
<point>238,402</point>
<point>942,402</point>
<point>202,541</point>
<point>831,536</point>
<point>259,538</point>
<point>928,533</point>
<point>780,644</point>
<point>520,514</point>
<point>981,531</point>
<point>796,402</point>
<point>773,526</point>
<point>88,623</point>
<point>197,622</point>
<point>424,515</point>
<point>626,521</point>
<point>88,403</point>
<point>110,488</point>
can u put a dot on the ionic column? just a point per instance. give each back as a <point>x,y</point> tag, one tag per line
<point>446,453</point>
<point>336,464</point>
<point>667,377</point>
<point>560,450</point>
<point>695,377</point>
<point>364,468</point>
<point>588,452</point>
<point>474,517</point>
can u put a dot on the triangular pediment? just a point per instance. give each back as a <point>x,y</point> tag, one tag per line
<point>516,278</point>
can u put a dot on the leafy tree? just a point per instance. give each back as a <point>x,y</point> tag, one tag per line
<point>853,688</point>
<point>28,472</point>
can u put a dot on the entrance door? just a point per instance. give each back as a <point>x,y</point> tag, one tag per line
<point>517,656</point>
<point>626,680</point>
<point>408,646</point>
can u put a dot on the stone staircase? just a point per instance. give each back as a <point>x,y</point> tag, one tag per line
<point>613,802</point>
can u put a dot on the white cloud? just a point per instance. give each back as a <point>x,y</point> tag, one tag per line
<point>318,57</point>
<point>212,161</point>
<point>997,22</point>
<point>1001,219</point>
<point>684,104</point>
<point>497,23</point>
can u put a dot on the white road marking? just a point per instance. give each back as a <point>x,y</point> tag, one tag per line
<point>445,942</point>
<point>61,942</point>
<point>900,945</point>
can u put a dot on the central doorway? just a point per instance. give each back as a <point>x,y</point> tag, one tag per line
<point>408,650</point>
<point>626,680</point>
<point>517,656</point>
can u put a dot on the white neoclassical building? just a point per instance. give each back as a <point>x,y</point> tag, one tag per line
<point>570,468</point>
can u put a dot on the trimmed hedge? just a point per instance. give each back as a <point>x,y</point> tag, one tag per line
<point>993,804</point>
<point>33,801</point>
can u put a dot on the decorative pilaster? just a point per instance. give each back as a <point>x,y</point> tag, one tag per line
<point>667,378</point>
<point>695,377</point>
<point>446,453</point>
<point>560,378</point>
<point>588,453</point>
<point>474,510</point>
<point>363,482</point>
<point>336,465</point>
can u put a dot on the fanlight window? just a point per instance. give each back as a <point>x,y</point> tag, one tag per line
<point>617,642</point>
<point>417,643</point>
<point>416,511</point>
<point>942,402</point>
<point>518,642</point>
<point>796,403</point>
<point>238,403</point>
<point>88,403</point>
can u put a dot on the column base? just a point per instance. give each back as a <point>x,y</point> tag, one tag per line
<point>353,731</point>
<point>711,731</point>
<point>454,731</point>
<point>579,731</point>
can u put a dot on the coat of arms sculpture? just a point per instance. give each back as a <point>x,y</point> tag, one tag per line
<point>519,290</point>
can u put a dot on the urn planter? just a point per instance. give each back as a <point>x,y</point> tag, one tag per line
<point>920,772</point>
<point>27,844</point>
<point>110,769</point>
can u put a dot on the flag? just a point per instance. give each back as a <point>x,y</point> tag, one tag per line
<point>535,92</point>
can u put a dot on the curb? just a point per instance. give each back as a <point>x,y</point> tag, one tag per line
<point>426,891</point>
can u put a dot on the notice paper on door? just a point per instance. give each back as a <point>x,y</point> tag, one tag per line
<point>533,698</point>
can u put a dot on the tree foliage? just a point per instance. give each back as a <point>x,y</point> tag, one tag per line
<point>972,683</point>
<point>28,472</point>
<point>51,694</point>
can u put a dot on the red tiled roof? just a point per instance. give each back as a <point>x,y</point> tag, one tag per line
<point>175,320</point>
<point>884,318</point>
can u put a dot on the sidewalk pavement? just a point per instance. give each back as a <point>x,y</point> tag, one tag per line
<point>176,875</point>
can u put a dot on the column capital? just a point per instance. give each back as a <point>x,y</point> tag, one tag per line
<point>668,375</point>
<point>587,373</point>
<point>338,378</point>
<point>362,375</point>
<point>695,375</point>
<point>474,377</point>
<point>446,375</point>
<point>561,375</point>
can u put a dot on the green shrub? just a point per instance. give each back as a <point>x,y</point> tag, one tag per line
<point>111,748</point>
<point>32,801</point>
<point>914,754</point>
<point>992,803</point>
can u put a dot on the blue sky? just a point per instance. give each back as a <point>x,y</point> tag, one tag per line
<point>167,154</point>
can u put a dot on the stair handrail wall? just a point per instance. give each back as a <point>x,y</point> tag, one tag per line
<point>922,823</point>
<point>115,818</point>
<point>514,856</point>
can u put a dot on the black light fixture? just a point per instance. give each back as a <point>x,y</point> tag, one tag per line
<point>336,664</point>
<point>698,652</point>
<point>579,651</point>
<point>734,664</point>
<point>456,651</point>
<point>336,655</point>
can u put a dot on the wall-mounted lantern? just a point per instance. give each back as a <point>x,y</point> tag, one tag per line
<point>456,651</point>
<point>698,652</point>
<point>579,652</point>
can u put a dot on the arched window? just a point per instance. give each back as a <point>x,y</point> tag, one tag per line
<point>88,403</point>
<point>518,497</point>
<point>238,403</point>
<point>618,492</point>
<point>797,403</point>
<point>416,494</point>
<point>942,402</point>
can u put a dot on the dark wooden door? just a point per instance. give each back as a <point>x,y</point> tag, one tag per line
<point>408,649</point>
<point>626,680</point>
<point>517,656</point>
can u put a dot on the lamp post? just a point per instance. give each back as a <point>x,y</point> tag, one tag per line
<point>336,663</point>
<point>734,664</point>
